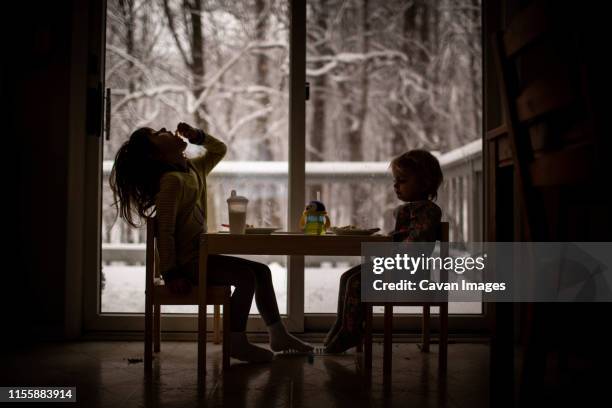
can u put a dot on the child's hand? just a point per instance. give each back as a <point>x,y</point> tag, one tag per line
<point>188,132</point>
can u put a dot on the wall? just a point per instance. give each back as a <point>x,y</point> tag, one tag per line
<point>41,86</point>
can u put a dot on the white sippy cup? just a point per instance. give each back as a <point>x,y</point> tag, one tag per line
<point>237,207</point>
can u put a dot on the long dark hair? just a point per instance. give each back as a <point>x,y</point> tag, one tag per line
<point>135,177</point>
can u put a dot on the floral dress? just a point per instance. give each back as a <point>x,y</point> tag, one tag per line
<point>416,221</point>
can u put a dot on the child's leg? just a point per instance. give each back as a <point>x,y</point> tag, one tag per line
<point>265,299</point>
<point>350,332</point>
<point>341,300</point>
<point>226,270</point>
<point>352,320</point>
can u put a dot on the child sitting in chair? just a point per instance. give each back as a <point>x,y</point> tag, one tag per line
<point>416,178</point>
<point>152,177</point>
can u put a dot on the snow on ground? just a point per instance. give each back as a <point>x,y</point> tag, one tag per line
<point>124,291</point>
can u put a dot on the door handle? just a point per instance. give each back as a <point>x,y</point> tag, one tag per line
<point>107,118</point>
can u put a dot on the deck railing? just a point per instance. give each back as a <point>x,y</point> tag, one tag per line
<point>460,197</point>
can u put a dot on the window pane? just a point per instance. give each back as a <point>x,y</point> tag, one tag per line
<point>223,68</point>
<point>387,76</point>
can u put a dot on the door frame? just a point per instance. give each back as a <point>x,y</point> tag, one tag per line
<point>296,320</point>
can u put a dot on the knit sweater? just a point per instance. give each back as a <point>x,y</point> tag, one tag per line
<point>180,208</point>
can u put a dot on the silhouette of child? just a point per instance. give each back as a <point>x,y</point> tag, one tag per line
<point>416,178</point>
<point>152,177</point>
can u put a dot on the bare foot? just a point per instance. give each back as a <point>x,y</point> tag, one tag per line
<point>342,341</point>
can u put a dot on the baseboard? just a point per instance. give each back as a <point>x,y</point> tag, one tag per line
<point>263,337</point>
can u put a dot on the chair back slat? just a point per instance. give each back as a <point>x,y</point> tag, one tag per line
<point>442,236</point>
<point>150,258</point>
<point>443,233</point>
<point>153,261</point>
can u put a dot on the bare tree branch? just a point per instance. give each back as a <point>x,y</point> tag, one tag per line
<point>172,27</point>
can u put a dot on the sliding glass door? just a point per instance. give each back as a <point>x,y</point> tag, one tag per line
<point>386,77</point>
<point>220,66</point>
<point>382,77</point>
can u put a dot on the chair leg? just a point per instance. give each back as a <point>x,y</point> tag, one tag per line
<point>367,339</point>
<point>148,340</point>
<point>201,341</point>
<point>226,333</point>
<point>202,269</point>
<point>156,327</point>
<point>426,328</point>
<point>443,352</point>
<point>387,348</point>
<point>216,325</point>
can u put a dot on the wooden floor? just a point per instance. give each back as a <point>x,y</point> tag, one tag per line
<point>110,374</point>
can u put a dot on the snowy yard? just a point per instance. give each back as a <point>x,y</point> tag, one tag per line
<point>124,291</point>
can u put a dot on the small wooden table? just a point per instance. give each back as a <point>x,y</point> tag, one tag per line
<point>283,243</point>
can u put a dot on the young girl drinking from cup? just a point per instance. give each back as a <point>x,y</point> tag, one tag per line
<point>416,178</point>
<point>151,177</point>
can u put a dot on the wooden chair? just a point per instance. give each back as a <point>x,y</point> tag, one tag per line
<point>442,236</point>
<point>553,137</point>
<point>549,131</point>
<point>157,294</point>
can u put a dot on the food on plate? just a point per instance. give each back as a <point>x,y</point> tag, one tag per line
<point>353,230</point>
<point>347,228</point>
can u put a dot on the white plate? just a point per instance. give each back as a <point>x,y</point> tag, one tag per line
<point>261,230</point>
<point>340,231</point>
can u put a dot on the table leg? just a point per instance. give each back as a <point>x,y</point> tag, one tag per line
<point>226,333</point>
<point>388,343</point>
<point>443,349</point>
